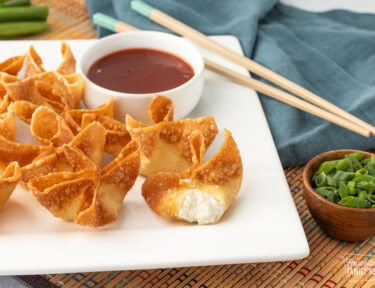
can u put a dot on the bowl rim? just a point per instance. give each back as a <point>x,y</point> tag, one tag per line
<point>196,77</point>
<point>307,182</point>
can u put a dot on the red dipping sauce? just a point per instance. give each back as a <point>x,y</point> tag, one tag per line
<point>140,70</point>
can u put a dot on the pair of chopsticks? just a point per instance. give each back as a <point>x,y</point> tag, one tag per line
<point>321,108</point>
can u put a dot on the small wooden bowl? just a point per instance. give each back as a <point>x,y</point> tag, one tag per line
<point>340,222</point>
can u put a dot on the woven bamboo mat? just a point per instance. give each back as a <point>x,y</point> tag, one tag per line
<point>325,267</point>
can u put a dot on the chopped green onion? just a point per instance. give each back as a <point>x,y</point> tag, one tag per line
<point>348,182</point>
<point>357,155</point>
<point>321,180</point>
<point>361,171</point>
<point>371,198</point>
<point>353,202</point>
<point>331,181</point>
<point>342,165</point>
<point>327,167</point>
<point>362,194</point>
<point>343,190</point>
<point>368,186</point>
<point>344,176</point>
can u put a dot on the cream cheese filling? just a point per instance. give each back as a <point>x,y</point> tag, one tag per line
<point>200,207</point>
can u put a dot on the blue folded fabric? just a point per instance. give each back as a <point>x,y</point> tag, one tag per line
<point>330,53</point>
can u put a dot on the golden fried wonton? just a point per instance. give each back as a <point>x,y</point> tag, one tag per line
<point>90,197</point>
<point>165,146</point>
<point>91,141</point>
<point>203,194</point>
<point>56,88</point>
<point>63,88</point>
<point>4,99</point>
<point>24,110</point>
<point>74,117</point>
<point>68,65</point>
<point>36,91</point>
<point>113,183</point>
<point>84,152</point>
<point>67,158</point>
<point>161,109</point>
<point>12,65</point>
<point>49,128</point>
<point>117,136</point>
<point>76,85</point>
<point>62,193</point>
<point>24,154</point>
<point>8,181</point>
<point>8,124</point>
<point>33,62</point>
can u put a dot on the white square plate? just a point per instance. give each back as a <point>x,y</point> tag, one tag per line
<point>263,224</point>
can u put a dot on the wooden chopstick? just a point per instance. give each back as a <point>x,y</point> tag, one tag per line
<point>201,39</point>
<point>118,26</point>
<point>284,97</point>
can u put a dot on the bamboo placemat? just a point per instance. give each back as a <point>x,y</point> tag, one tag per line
<point>327,266</point>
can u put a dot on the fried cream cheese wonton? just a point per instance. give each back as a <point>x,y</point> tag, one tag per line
<point>204,193</point>
<point>8,182</point>
<point>74,117</point>
<point>165,146</point>
<point>89,197</point>
<point>12,65</point>
<point>49,128</point>
<point>24,154</point>
<point>72,187</point>
<point>8,124</point>
<point>65,77</point>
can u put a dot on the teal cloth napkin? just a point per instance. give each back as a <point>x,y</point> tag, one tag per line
<point>330,53</point>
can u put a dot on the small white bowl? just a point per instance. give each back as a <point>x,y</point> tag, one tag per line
<point>185,96</point>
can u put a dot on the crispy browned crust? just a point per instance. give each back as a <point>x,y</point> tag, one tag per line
<point>68,158</point>
<point>4,101</point>
<point>24,110</point>
<point>91,141</point>
<point>8,181</point>
<point>70,184</point>
<point>68,64</point>
<point>61,193</point>
<point>74,117</point>
<point>115,181</point>
<point>33,62</point>
<point>161,109</point>
<point>86,194</point>
<point>24,154</point>
<point>170,140</point>
<point>8,124</point>
<point>76,87</point>
<point>22,89</point>
<point>117,136</point>
<point>39,90</point>
<point>220,177</point>
<point>12,65</point>
<point>156,187</point>
<point>197,148</point>
<point>61,90</point>
<point>49,128</point>
<point>77,158</point>
<point>54,87</point>
<point>223,166</point>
